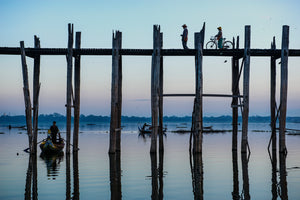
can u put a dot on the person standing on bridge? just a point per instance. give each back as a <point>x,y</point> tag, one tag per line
<point>184,36</point>
<point>219,37</point>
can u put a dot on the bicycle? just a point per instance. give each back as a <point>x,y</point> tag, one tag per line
<point>213,44</point>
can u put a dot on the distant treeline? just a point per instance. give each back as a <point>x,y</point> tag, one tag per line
<point>5,119</point>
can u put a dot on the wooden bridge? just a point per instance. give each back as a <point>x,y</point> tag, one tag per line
<point>158,53</point>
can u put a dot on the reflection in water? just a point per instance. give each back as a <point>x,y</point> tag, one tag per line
<point>235,192</point>
<point>68,177</point>
<point>157,175</point>
<point>245,193</point>
<point>53,164</point>
<point>283,193</point>
<point>75,176</point>
<point>196,165</point>
<point>115,176</point>
<point>31,178</point>
<point>273,159</point>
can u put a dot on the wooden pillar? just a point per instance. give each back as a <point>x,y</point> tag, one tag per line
<point>283,87</point>
<point>198,103</point>
<point>234,104</point>
<point>273,96</point>
<point>69,85</point>
<point>116,94</point>
<point>77,93</point>
<point>246,90</point>
<point>161,78</point>
<point>36,91</point>
<point>155,69</point>
<point>26,95</point>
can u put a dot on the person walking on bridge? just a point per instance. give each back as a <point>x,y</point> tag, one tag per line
<point>184,36</point>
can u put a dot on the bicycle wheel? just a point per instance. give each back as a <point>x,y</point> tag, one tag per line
<point>227,45</point>
<point>211,45</point>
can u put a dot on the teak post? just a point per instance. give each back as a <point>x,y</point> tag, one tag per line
<point>197,123</point>
<point>36,91</point>
<point>244,143</point>
<point>234,104</point>
<point>77,92</point>
<point>26,95</point>
<point>116,94</point>
<point>155,89</point>
<point>69,85</point>
<point>161,78</point>
<point>283,87</point>
<point>273,96</point>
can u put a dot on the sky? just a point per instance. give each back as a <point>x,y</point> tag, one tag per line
<point>21,20</point>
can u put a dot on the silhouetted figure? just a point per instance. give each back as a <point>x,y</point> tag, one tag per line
<point>184,36</point>
<point>54,130</point>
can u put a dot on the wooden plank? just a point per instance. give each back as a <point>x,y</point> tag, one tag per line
<point>283,87</point>
<point>36,91</point>
<point>146,52</point>
<point>26,96</point>
<point>69,85</point>
<point>77,93</point>
<point>204,95</point>
<point>273,96</point>
<point>116,81</point>
<point>155,69</point>
<point>161,79</point>
<point>245,114</point>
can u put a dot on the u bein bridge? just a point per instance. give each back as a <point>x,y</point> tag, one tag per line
<point>239,101</point>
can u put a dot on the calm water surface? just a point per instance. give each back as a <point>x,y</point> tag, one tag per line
<point>134,174</point>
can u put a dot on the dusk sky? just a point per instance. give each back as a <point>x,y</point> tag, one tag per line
<point>21,20</point>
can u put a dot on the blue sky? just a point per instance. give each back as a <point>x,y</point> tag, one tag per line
<point>21,20</point>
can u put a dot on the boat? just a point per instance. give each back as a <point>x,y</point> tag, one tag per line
<point>48,147</point>
<point>147,129</point>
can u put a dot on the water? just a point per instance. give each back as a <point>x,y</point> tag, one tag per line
<point>134,174</point>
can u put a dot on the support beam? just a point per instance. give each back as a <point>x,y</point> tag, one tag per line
<point>26,96</point>
<point>245,114</point>
<point>161,79</point>
<point>155,77</point>
<point>77,93</point>
<point>36,92</point>
<point>197,126</point>
<point>69,85</point>
<point>283,87</point>
<point>234,104</point>
<point>116,94</point>
<point>273,97</point>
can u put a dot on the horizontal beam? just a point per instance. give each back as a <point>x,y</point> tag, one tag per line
<point>204,95</point>
<point>147,52</point>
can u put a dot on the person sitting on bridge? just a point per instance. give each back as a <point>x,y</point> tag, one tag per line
<point>184,36</point>
<point>219,37</point>
<point>54,130</point>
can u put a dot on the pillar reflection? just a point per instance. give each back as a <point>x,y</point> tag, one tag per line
<point>245,194</point>
<point>115,176</point>
<point>283,182</point>
<point>196,165</point>
<point>235,168</point>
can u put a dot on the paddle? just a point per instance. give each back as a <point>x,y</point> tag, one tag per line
<point>26,150</point>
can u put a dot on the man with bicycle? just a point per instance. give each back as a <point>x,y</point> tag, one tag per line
<point>219,37</point>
